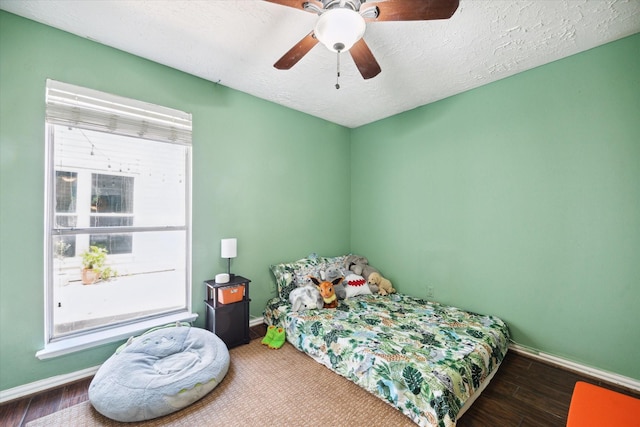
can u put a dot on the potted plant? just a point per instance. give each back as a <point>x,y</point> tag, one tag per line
<point>92,264</point>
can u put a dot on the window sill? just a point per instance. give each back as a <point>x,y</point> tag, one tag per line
<point>72,345</point>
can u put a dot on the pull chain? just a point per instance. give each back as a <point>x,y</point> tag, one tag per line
<point>338,72</point>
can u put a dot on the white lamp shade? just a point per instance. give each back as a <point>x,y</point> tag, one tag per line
<point>229,248</point>
<point>339,29</point>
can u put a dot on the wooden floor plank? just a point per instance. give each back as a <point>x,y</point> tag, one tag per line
<point>75,393</point>
<point>490,410</point>
<point>11,414</point>
<point>43,404</point>
<point>546,400</point>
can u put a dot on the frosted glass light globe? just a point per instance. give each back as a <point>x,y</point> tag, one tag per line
<point>339,29</point>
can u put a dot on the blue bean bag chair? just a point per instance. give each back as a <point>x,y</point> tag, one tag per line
<point>159,372</point>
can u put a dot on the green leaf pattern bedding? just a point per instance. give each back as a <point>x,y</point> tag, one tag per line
<point>424,358</point>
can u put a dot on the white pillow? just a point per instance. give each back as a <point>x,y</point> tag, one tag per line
<point>355,285</point>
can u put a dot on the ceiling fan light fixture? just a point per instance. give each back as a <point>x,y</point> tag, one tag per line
<point>339,29</point>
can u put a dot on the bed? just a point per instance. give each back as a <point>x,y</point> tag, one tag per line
<point>428,360</point>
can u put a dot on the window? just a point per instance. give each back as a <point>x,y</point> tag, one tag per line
<point>118,178</point>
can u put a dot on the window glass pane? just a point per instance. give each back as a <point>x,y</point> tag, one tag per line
<point>117,182</point>
<point>119,174</point>
<point>149,283</point>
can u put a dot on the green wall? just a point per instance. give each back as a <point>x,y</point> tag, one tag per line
<point>521,199</point>
<point>255,177</point>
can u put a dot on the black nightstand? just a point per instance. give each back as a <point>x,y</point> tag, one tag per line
<point>227,306</point>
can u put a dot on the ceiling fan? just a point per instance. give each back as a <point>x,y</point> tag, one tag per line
<point>342,24</point>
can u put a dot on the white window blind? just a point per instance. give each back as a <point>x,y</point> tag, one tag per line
<point>76,106</point>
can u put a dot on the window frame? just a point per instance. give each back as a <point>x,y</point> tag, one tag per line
<point>56,346</point>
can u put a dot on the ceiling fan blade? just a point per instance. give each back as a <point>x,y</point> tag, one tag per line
<point>296,4</point>
<point>296,53</point>
<point>413,10</point>
<point>364,59</point>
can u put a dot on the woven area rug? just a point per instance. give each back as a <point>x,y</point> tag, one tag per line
<point>263,387</point>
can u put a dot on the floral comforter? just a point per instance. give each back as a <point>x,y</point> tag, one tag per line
<point>424,358</point>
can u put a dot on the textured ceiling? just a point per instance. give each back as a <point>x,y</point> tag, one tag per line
<point>236,42</point>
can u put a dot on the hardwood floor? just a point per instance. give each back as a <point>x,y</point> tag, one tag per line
<point>525,392</point>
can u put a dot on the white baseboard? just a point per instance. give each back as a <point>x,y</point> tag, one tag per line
<point>45,384</point>
<point>609,377</point>
<point>256,321</point>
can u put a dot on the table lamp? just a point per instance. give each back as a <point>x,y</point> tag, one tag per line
<point>229,249</point>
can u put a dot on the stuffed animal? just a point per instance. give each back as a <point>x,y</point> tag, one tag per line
<point>384,286</point>
<point>359,265</point>
<point>305,298</point>
<point>327,292</point>
<point>356,285</point>
<point>332,274</point>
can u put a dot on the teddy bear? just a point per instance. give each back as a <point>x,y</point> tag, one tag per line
<point>384,285</point>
